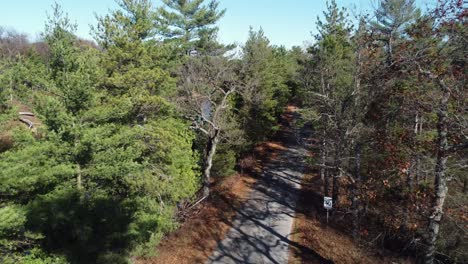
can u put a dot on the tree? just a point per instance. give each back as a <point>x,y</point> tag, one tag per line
<point>133,60</point>
<point>334,90</point>
<point>207,86</point>
<point>190,24</point>
<point>265,71</point>
<point>110,151</point>
<point>437,45</point>
<point>392,17</point>
<point>12,43</point>
<point>356,128</point>
<point>74,77</point>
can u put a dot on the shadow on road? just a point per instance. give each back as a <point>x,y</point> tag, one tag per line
<point>261,231</point>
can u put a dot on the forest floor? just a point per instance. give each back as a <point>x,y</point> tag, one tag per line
<point>327,240</point>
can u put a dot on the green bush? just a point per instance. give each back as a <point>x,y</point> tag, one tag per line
<point>224,162</point>
<point>33,256</point>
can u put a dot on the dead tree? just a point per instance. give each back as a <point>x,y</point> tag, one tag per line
<point>440,180</point>
<point>207,82</point>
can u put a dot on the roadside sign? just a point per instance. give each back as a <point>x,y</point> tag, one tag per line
<point>327,202</point>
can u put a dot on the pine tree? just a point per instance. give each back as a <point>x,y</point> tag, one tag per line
<point>335,64</point>
<point>132,60</point>
<point>265,73</point>
<point>104,155</point>
<point>190,23</point>
<point>438,37</point>
<point>392,17</point>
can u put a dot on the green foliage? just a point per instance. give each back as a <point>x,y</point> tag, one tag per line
<point>103,179</point>
<point>334,53</point>
<point>169,143</point>
<point>34,256</point>
<point>22,77</point>
<point>12,219</point>
<point>132,59</point>
<point>6,115</point>
<point>22,137</point>
<point>59,35</point>
<point>53,113</point>
<point>33,169</point>
<point>74,70</point>
<point>393,15</point>
<point>266,72</point>
<point>392,18</point>
<point>190,24</point>
<point>224,161</point>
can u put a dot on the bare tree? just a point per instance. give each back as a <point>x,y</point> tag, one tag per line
<point>207,83</point>
<point>12,43</point>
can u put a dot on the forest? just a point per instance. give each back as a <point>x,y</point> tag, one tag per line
<point>103,142</point>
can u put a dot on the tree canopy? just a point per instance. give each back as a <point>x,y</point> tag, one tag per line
<point>105,143</point>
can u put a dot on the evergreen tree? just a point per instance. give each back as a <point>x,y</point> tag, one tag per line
<point>190,23</point>
<point>101,143</point>
<point>133,61</point>
<point>333,92</point>
<point>93,164</point>
<point>392,17</point>
<point>265,72</point>
<point>438,38</point>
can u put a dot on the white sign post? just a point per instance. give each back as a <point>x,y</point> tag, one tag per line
<point>327,204</point>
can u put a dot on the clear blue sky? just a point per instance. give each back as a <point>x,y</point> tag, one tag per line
<point>285,22</point>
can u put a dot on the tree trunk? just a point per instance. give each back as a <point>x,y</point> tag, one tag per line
<point>322,161</point>
<point>440,183</point>
<point>79,183</point>
<point>11,90</point>
<point>326,185</point>
<point>79,179</point>
<point>418,156</point>
<point>355,190</point>
<point>337,173</point>
<point>323,155</point>
<point>412,166</point>
<point>210,152</point>
<point>390,49</point>
<point>323,169</point>
<point>409,183</point>
<point>410,175</point>
<point>465,185</point>
<point>336,186</point>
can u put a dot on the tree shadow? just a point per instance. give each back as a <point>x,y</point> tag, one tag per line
<point>260,233</point>
<point>83,229</point>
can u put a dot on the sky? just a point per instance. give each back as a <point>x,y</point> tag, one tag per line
<point>285,22</point>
